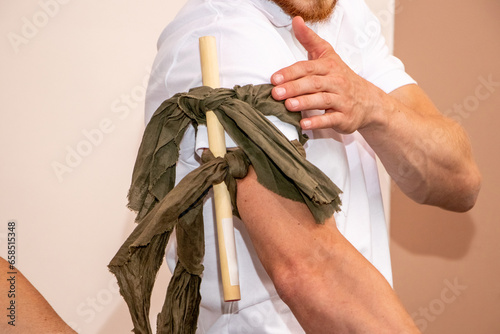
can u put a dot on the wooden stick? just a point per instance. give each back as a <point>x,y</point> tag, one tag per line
<point>217,144</point>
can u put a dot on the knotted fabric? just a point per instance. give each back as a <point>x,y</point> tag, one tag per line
<point>280,166</point>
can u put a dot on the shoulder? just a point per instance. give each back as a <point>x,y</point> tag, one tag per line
<point>363,47</point>
<point>355,9</point>
<point>216,17</point>
<point>250,48</point>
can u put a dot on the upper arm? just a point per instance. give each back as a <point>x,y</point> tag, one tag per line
<point>249,49</point>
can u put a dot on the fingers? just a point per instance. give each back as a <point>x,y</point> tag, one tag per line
<point>306,77</point>
<point>323,82</point>
<point>316,48</point>
<point>299,70</point>
<point>319,101</point>
<point>315,45</point>
<point>328,120</point>
<point>304,85</point>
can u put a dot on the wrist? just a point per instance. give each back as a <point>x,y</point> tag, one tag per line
<point>381,110</point>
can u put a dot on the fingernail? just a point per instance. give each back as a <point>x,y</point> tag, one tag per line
<point>293,103</point>
<point>306,123</point>
<point>278,78</point>
<point>280,91</point>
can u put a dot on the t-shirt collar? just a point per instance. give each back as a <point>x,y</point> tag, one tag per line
<point>273,12</point>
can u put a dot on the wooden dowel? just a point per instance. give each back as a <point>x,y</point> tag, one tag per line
<point>223,211</point>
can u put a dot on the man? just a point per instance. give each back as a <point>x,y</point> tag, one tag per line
<point>356,100</point>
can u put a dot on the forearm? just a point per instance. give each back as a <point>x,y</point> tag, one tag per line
<point>329,286</point>
<point>35,313</point>
<point>428,155</point>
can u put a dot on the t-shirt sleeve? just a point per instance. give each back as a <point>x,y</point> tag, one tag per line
<point>379,66</point>
<point>249,52</point>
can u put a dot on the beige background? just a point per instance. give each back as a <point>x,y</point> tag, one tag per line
<point>448,46</point>
<point>79,68</point>
<point>72,92</point>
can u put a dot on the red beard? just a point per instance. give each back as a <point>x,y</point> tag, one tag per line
<point>318,11</point>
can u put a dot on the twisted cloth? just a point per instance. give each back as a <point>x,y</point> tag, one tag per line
<point>280,166</point>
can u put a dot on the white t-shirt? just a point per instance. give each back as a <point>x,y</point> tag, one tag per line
<point>254,40</point>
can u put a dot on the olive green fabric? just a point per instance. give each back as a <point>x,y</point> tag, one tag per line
<point>280,166</point>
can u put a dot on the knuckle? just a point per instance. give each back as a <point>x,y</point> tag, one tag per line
<point>309,67</point>
<point>316,83</point>
<point>347,106</point>
<point>341,81</point>
<point>331,65</point>
<point>327,99</point>
<point>348,126</point>
<point>304,102</point>
<point>330,121</point>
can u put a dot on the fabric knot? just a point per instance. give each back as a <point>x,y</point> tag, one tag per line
<point>207,156</point>
<point>238,163</point>
<point>164,207</point>
<point>216,97</point>
<point>199,100</point>
<point>236,160</point>
<point>234,165</point>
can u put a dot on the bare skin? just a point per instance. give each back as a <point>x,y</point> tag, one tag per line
<point>427,155</point>
<point>33,313</point>
<point>329,286</point>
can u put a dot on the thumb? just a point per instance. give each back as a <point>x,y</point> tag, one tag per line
<point>314,45</point>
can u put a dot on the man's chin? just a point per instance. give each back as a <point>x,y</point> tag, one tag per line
<point>314,14</point>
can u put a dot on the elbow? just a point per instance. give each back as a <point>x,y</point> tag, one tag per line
<point>287,282</point>
<point>470,192</point>
<point>302,280</point>
<point>462,193</point>
<point>290,282</point>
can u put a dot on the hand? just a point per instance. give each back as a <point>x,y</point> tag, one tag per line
<point>325,82</point>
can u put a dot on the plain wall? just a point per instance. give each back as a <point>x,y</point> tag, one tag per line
<point>447,265</point>
<point>74,75</point>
